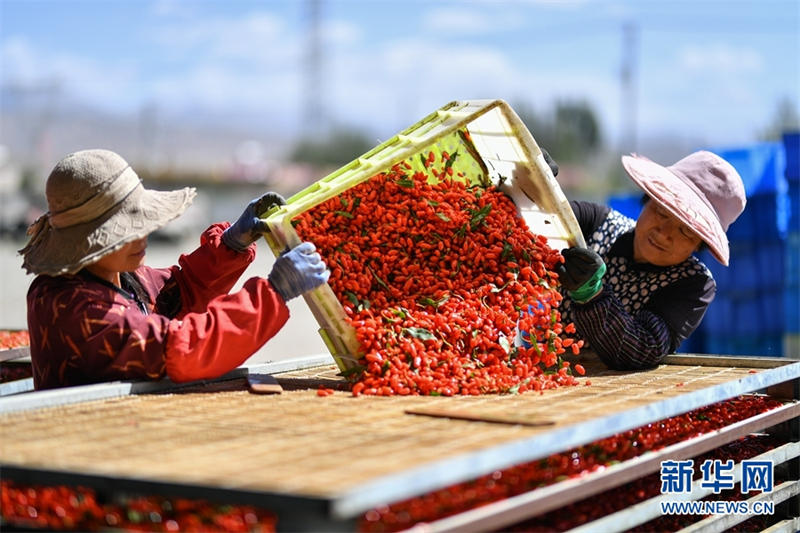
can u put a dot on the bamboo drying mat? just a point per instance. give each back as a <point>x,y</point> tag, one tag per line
<point>298,443</point>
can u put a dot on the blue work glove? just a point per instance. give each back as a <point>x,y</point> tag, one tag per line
<point>581,273</point>
<point>297,271</point>
<point>249,227</point>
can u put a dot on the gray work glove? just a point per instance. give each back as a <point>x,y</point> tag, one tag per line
<point>550,163</point>
<point>298,271</point>
<point>249,227</point>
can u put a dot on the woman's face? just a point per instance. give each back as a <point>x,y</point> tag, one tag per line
<point>661,239</point>
<point>126,259</point>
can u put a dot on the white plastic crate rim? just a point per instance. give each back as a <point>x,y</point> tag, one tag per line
<point>504,149</point>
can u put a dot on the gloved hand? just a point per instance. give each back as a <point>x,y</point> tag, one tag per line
<point>297,271</point>
<point>581,273</point>
<point>550,163</point>
<point>249,227</point>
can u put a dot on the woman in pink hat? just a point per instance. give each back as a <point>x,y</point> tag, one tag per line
<point>637,291</point>
<point>97,313</point>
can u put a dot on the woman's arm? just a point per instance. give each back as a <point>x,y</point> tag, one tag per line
<point>589,216</point>
<point>622,340</point>
<point>209,271</point>
<point>629,341</point>
<point>208,344</point>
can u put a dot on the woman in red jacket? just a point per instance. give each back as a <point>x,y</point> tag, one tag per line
<point>97,313</point>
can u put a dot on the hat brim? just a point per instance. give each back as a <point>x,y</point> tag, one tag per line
<point>681,200</point>
<point>68,250</point>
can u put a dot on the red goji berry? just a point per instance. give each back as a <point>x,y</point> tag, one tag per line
<point>434,280</point>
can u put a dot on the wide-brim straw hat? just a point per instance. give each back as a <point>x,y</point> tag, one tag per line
<point>702,190</point>
<point>96,204</point>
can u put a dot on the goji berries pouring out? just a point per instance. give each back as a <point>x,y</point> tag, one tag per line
<point>437,276</point>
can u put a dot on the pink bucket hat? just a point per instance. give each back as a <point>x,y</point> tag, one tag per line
<point>702,190</point>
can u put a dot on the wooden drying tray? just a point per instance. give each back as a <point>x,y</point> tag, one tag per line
<point>335,457</point>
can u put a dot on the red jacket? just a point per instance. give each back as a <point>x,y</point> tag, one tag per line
<point>85,331</point>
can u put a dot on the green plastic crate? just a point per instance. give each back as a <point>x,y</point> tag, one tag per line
<point>501,151</point>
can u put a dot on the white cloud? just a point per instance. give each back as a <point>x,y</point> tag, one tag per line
<point>451,64</point>
<point>390,87</point>
<point>19,61</point>
<point>339,32</point>
<point>215,86</point>
<point>567,5</point>
<point>421,71</point>
<point>716,91</point>
<point>103,85</point>
<point>243,64</point>
<point>251,64</point>
<point>727,107</point>
<point>382,88</point>
<point>721,59</point>
<point>170,8</point>
<point>253,60</point>
<point>249,37</point>
<point>457,20</point>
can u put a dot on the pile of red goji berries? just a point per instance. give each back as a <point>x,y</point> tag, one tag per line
<point>79,509</point>
<point>14,339</point>
<point>558,467</point>
<point>434,275</point>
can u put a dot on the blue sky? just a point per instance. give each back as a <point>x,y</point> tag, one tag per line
<point>711,70</point>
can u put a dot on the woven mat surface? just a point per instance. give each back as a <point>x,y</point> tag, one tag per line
<point>303,444</point>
